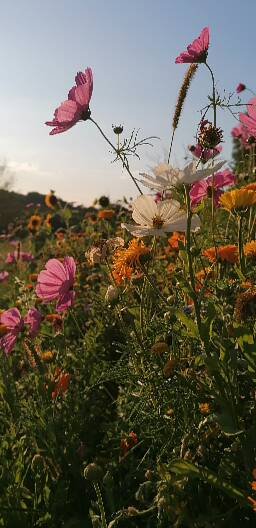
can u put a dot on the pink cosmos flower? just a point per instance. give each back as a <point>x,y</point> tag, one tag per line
<point>197,51</point>
<point>204,188</point>
<point>56,283</point>
<point>4,276</point>
<point>243,134</point>
<point>76,107</point>
<point>240,88</point>
<point>33,319</point>
<point>19,255</point>
<point>249,120</point>
<point>14,324</point>
<point>205,154</point>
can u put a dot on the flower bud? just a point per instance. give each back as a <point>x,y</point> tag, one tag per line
<point>93,472</point>
<point>111,294</point>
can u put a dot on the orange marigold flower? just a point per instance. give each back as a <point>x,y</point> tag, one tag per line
<point>227,253</point>
<point>126,260</point>
<point>106,214</point>
<point>251,186</point>
<point>62,381</point>
<point>253,485</point>
<point>175,239</point>
<point>250,249</point>
<point>34,223</point>
<point>204,408</point>
<point>238,200</point>
<point>51,200</point>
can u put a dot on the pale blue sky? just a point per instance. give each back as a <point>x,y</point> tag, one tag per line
<point>131,47</point>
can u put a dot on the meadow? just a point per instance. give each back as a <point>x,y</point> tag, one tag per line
<point>127,334</point>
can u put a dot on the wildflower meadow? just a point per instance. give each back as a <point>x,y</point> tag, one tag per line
<point>127,331</point>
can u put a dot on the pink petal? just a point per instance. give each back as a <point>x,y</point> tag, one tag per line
<point>8,342</point>
<point>66,301</point>
<point>68,112</point>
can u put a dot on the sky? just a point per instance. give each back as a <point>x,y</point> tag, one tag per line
<point>131,47</point>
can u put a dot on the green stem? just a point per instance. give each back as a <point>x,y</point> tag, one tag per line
<point>240,244</point>
<point>101,505</point>
<point>190,260</point>
<point>117,151</point>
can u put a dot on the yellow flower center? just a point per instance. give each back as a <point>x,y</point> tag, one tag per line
<point>158,222</point>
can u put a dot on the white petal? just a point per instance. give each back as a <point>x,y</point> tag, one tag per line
<point>139,231</point>
<point>144,210</point>
<point>168,208</point>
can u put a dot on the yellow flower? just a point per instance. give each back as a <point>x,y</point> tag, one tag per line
<point>238,200</point>
<point>47,356</point>
<point>48,221</point>
<point>250,249</point>
<point>51,200</point>
<point>34,223</point>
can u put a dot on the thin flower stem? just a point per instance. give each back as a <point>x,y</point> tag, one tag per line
<point>117,151</point>
<point>240,243</point>
<point>190,261</point>
<point>215,124</point>
<point>154,287</point>
<point>170,149</point>
<point>101,505</point>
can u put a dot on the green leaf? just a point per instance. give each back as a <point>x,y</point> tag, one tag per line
<point>185,468</point>
<point>189,323</point>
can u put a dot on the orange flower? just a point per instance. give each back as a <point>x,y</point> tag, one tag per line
<point>106,214</point>
<point>127,260</point>
<point>227,253</point>
<point>62,381</point>
<point>204,408</point>
<point>253,485</point>
<point>51,200</point>
<point>250,249</point>
<point>34,223</point>
<point>175,239</point>
<point>252,503</point>
<point>251,186</point>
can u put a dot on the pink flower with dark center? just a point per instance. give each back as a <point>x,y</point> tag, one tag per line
<point>56,283</point>
<point>205,154</point>
<point>249,119</point>
<point>204,188</point>
<point>19,255</point>
<point>33,319</point>
<point>76,107</point>
<point>10,319</point>
<point>240,88</point>
<point>197,51</point>
<point>4,276</point>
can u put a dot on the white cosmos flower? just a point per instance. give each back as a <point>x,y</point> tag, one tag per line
<point>158,218</point>
<point>166,176</point>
